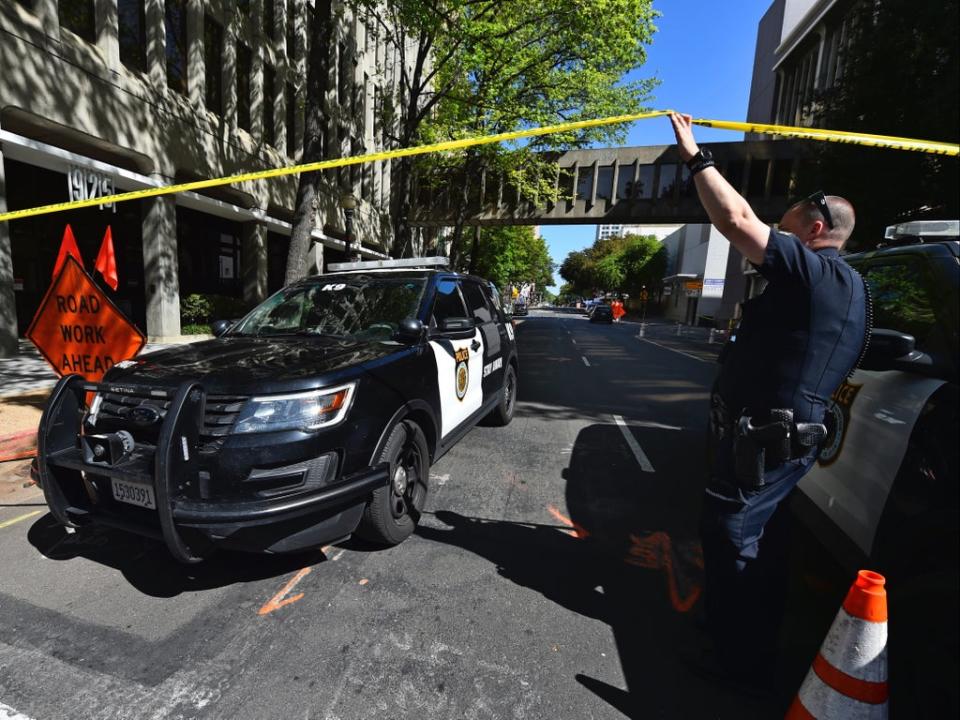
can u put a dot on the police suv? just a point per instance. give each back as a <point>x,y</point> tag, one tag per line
<point>315,416</point>
<point>884,491</point>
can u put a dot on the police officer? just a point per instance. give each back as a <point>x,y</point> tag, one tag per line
<point>796,342</point>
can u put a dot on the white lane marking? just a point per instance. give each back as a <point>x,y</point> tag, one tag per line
<point>337,556</point>
<point>574,342</point>
<point>680,352</point>
<point>8,713</point>
<point>658,426</point>
<point>440,480</point>
<point>585,361</point>
<point>638,452</point>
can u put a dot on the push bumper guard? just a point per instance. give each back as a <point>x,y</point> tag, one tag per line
<point>164,466</point>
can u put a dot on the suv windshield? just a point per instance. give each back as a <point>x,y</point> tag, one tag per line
<point>354,307</point>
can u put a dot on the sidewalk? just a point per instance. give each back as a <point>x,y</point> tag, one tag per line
<point>25,382</point>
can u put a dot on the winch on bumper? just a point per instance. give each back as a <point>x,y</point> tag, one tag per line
<point>158,455</point>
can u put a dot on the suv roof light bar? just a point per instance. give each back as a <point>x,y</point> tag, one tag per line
<point>425,262</point>
<point>934,229</point>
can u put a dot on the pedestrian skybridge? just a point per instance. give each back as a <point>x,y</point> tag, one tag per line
<point>633,185</point>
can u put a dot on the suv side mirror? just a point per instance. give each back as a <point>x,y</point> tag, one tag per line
<point>887,346</point>
<point>219,327</point>
<point>410,331</point>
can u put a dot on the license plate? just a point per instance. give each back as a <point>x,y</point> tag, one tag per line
<point>134,494</point>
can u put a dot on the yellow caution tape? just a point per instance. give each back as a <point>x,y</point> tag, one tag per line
<point>839,136</point>
<point>809,133</point>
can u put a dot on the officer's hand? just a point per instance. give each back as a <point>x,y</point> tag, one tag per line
<point>683,129</point>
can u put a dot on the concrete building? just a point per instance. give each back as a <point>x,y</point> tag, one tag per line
<point>800,51</point>
<point>658,231</point>
<point>104,95</point>
<point>704,282</point>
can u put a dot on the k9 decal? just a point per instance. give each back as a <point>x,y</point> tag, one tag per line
<point>459,371</point>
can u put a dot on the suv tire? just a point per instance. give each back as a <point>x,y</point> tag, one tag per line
<point>502,414</point>
<point>394,509</point>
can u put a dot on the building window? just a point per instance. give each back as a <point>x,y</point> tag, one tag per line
<point>605,182</point>
<point>213,57</point>
<point>244,71</point>
<point>132,34</point>
<point>78,17</point>
<point>343,74</point>
<point>269,104</point>
<point>668,180</point>
<point>291,29</point>
<point>175,24</point>
<point>291,100</point>
<point>584,183</point>
<point>269,19</point>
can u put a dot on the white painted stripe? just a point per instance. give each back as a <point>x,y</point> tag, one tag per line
<point>638,452</point>
<point>574,342</point>
<point>8,713</point>
<point>585,361</point>
<point>658,426</point>
<point>822,701</point>
<point>857,647</point>
<point>679,352</point>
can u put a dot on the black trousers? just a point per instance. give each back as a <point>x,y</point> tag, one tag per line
<point>745,537</point>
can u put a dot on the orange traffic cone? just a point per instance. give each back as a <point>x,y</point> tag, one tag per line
<point>848,678</point>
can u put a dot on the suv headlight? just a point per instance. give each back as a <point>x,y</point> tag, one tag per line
<point>302,411</point>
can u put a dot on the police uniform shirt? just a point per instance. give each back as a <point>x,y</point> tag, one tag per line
<point>800,338</point>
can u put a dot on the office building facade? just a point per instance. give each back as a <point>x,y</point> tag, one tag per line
<point>98,96</point>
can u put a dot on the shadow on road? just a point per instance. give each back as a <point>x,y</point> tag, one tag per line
<point>630,558</point>
<point>147,564</point>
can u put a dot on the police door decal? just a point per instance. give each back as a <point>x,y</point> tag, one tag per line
<point>459,375</point>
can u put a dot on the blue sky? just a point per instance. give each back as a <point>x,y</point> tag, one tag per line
<point>703,55</point>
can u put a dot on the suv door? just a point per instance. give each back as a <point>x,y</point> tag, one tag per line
<point>495,344</point>
<point>873,412</point>
<point>459,357</point>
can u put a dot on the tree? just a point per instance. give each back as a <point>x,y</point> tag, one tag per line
<point>616,264</point>
<point>900,77</point>
<point>513,255</point>
<point>485,66</point>
<point>315,124</point>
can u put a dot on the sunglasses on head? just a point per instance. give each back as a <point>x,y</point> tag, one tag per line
<point>819,201</point>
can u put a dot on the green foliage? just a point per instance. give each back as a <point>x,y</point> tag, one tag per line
<point>479,67</point>
<point>900,77</point>
<point>513,255</point>
<point>195,330</point>
<point>614,265</point>
<point>200,309</point>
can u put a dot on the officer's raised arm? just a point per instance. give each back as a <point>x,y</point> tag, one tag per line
<point>725,207</point>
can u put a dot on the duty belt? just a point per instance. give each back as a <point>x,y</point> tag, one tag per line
<point>762,446</point>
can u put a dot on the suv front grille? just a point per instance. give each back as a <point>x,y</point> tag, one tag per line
<point>220,412</point>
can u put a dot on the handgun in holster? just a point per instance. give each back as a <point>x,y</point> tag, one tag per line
<point>762,447</point>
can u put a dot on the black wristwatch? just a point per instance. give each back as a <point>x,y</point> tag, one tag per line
<point>701,161</point>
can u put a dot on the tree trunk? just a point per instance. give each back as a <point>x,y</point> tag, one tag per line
<point>460,211</point>
<point>315,122</point>
<point>401,195</point>
<point>475,250</point>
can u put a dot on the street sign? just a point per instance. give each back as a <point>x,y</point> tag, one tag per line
<point>78,330</point>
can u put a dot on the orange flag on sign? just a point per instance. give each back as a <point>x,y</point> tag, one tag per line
<point>68,246</point>
<point>106,263</point>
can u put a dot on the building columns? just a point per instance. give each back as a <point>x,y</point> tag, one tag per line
<point>161,272</point>
<point>253,262</point>
<point>8,301</point>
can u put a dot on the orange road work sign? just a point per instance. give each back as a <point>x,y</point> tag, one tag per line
<point>78,330</point>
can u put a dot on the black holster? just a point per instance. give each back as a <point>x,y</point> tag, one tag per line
<point>762,447</point>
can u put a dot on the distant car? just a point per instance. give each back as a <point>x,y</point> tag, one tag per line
<point>520,310</point>
<point>884,491</point>
<point>602,314</point>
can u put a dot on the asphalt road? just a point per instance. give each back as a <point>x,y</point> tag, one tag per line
<point>556,575</point>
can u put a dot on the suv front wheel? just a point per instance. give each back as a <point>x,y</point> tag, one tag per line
<point>502,414</point>
<point>394,510</point>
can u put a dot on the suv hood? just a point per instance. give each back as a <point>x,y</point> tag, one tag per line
<point>249,365</point>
